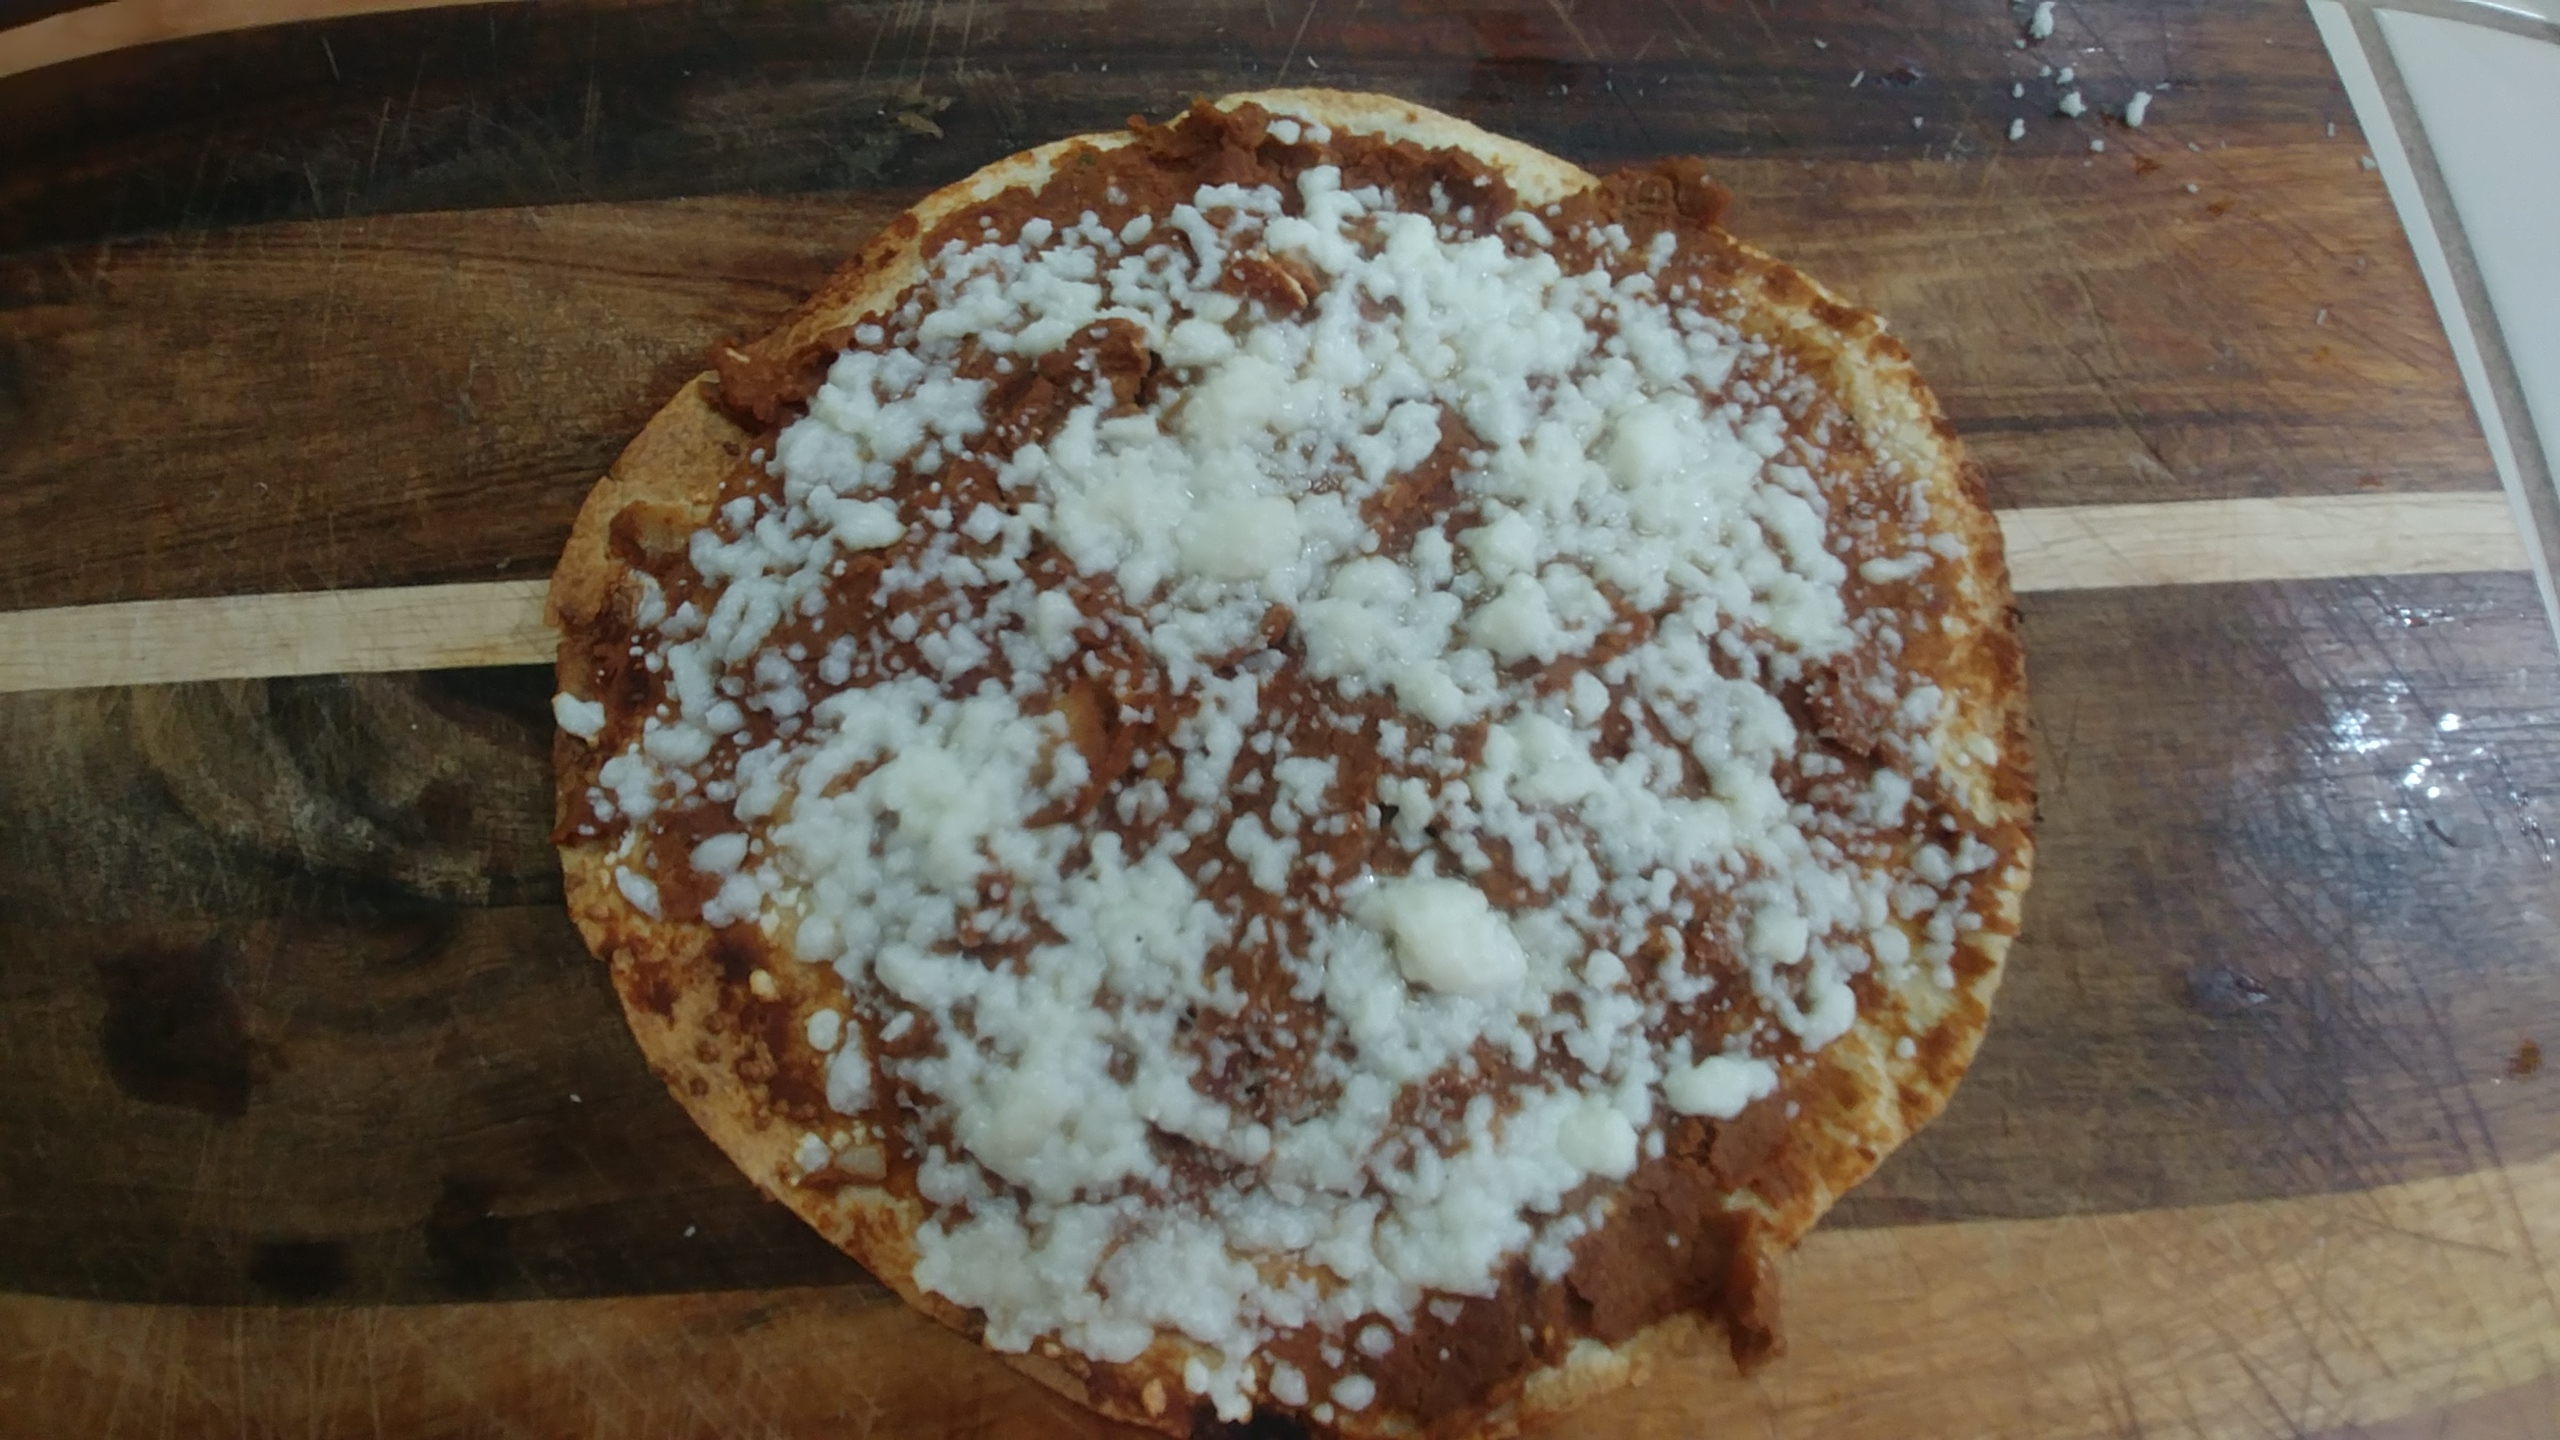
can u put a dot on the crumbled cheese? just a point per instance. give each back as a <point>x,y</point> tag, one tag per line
<point>848,1074</point>
<point>906,812</point>
<point>2072,105</point>
<point>1288,1384</point>
<point>2017,129</point>
<point>582,718</point>
<point>2040,25</point>
<point>1720,1086</point>
<point>639,889</point>
<point>2137,107</point>
<point>812,1154</point>
<point>1601,1141</point>
<point>825,1028</point>
<point>1446,936</point>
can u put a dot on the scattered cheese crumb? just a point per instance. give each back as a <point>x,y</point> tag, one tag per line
<point>2072,105</point>
<point>639,889</point>
<point>825,1029</point>
<point>2040,25</point>
<point>1720,1086</point>
<point>582,718</point>
<point>811,1154</point>
<point>2017,129</point>
<point>1288,1384</point>
<point>2137,107</point>
<point>1446,935</point>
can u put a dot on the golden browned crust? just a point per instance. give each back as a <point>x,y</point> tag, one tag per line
<point>718,1027</point>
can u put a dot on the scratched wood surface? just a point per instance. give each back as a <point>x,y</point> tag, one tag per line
<point>314,1116</point>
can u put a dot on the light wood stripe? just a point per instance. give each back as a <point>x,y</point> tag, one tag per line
<point>233,637</point>
<point>121,24</point>
<point>2094,547</point>
<point>2284,1317</point>
<point>431,627</point>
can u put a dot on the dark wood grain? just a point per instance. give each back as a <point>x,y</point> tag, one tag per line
<point>847,1362</point>
<point>20,12</point>
<point>288,1010</point>
<point>2294,904</point>
<point>292,1012</point>
<point>610,100</point>
<point>380,402</point>
<point>414,398</point>
<point>196,401</point>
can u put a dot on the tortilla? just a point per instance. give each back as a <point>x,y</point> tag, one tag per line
<point>1737,1153</point>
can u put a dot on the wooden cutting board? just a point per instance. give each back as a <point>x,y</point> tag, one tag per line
<point>315,1117</point>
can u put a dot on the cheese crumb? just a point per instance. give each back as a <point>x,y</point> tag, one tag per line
<point>1601,1141</point>
<point>1288,1384</point>
<point>812,1154</point>
<point>1720,1086</point>
<point>1446,936</point>
<point>824,1028</point>
<point>582,718</point>
<point>639,889</point>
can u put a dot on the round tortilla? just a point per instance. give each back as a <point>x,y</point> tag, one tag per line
<point>726,1033</point>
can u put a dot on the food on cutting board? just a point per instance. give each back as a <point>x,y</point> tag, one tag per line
<point>1303,761</point>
